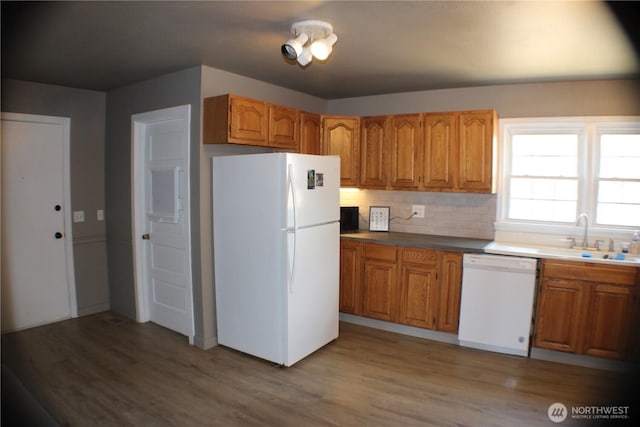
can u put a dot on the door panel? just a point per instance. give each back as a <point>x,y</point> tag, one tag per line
<point>379,290</point>
<point>558,316</point>
<point>37,285</point>
<point>418,291</point>
<point>607,324</point>
<point>162,141</point>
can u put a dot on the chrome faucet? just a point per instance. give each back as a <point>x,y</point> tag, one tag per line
<point>585,240</point>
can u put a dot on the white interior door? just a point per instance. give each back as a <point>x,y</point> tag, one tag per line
<point>37,262</point>
<point>161,217</point>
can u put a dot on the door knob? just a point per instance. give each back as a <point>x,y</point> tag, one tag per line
<point>146,236</point>
<point>58,235</point>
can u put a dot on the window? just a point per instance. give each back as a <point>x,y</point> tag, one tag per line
<point>554,169</point>
<point>618,179</point>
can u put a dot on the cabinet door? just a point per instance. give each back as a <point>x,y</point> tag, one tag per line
<point>558,318</point>
<point>248,121</point>
<point>310,133</point>
<point>608,317</point>
<point>284,127</point>
<point>350,267</point>
<point>379,290</point>
<point>373,173</point>
<point>341,136</point>
<point>418,289</point>
<point>476,140</point>
<point>439,155</point>
<point>449,292</point>
<point>405,140</point>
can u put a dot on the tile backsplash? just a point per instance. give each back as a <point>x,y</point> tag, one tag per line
<point>446,214</point>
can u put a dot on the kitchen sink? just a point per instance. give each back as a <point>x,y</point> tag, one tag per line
<point>576,254</point>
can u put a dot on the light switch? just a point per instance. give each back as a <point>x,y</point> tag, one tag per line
<point>78,216</point>
<point>100,215</point>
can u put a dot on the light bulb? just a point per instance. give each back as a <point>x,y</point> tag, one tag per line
<point>321,49</point>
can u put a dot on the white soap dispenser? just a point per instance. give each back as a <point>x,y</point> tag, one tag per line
<point>634,247</point>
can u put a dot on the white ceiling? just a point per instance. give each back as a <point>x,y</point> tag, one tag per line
<point>383,46</point>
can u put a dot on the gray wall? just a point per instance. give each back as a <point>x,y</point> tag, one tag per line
<point>585,98</point>
<point>87,112</point>
<point>180,88</point>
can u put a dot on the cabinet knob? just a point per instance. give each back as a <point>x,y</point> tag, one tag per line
<point>58,235</point>
<point>146,236</point>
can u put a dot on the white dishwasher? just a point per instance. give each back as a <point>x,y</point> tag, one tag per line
<point>497,303</point>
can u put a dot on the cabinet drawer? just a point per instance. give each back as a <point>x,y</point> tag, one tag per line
<point>383,252</point>
<point>589,272</point>
<point>419,256</point>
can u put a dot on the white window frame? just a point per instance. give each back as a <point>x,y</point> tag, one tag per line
<point>589,130</point>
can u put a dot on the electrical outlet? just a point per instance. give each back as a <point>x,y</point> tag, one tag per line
<point>418,211</point>
<point>78,216</point>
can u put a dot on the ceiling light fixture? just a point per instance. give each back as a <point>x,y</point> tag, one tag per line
<point>311,39</point>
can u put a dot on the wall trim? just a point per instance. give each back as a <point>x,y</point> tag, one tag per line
<point>96,238</point>
<point>205,343</point>
<point>400,329</point>
<point>93,309</point>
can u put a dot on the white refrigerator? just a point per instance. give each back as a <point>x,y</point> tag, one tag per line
<point>276,253</point>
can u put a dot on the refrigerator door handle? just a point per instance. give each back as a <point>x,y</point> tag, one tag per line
<point>292,194</point>
<point>291,231</point>
<point>291,258</point>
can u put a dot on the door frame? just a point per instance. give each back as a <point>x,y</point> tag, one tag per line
<point>139,123</point>
<point>65,122</point>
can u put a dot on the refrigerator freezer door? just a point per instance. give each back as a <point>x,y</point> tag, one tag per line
<point>312,295</point>
<point>315,181</point>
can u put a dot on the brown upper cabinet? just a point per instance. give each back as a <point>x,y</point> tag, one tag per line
<point>310,133</point>
<point>235,119</point>
<point>439,155</point>
<point>341,137</point>
<point>284,127</point>
<point>238,120</point>
<point>405,143</point>
<point>451,152</point>
<point>373,152</point>
<point>477,136</point>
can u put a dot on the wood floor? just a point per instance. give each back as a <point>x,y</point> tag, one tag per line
<point>110,371</point>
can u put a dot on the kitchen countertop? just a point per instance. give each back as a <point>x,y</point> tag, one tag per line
<point>426,241</point>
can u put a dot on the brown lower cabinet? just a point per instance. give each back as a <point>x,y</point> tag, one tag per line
<point>587,308</point>
<point>412,286</point>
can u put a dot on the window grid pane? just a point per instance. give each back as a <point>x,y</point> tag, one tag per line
<point>618,180</point>
<point>544,155</point>
<point>543,199</point>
